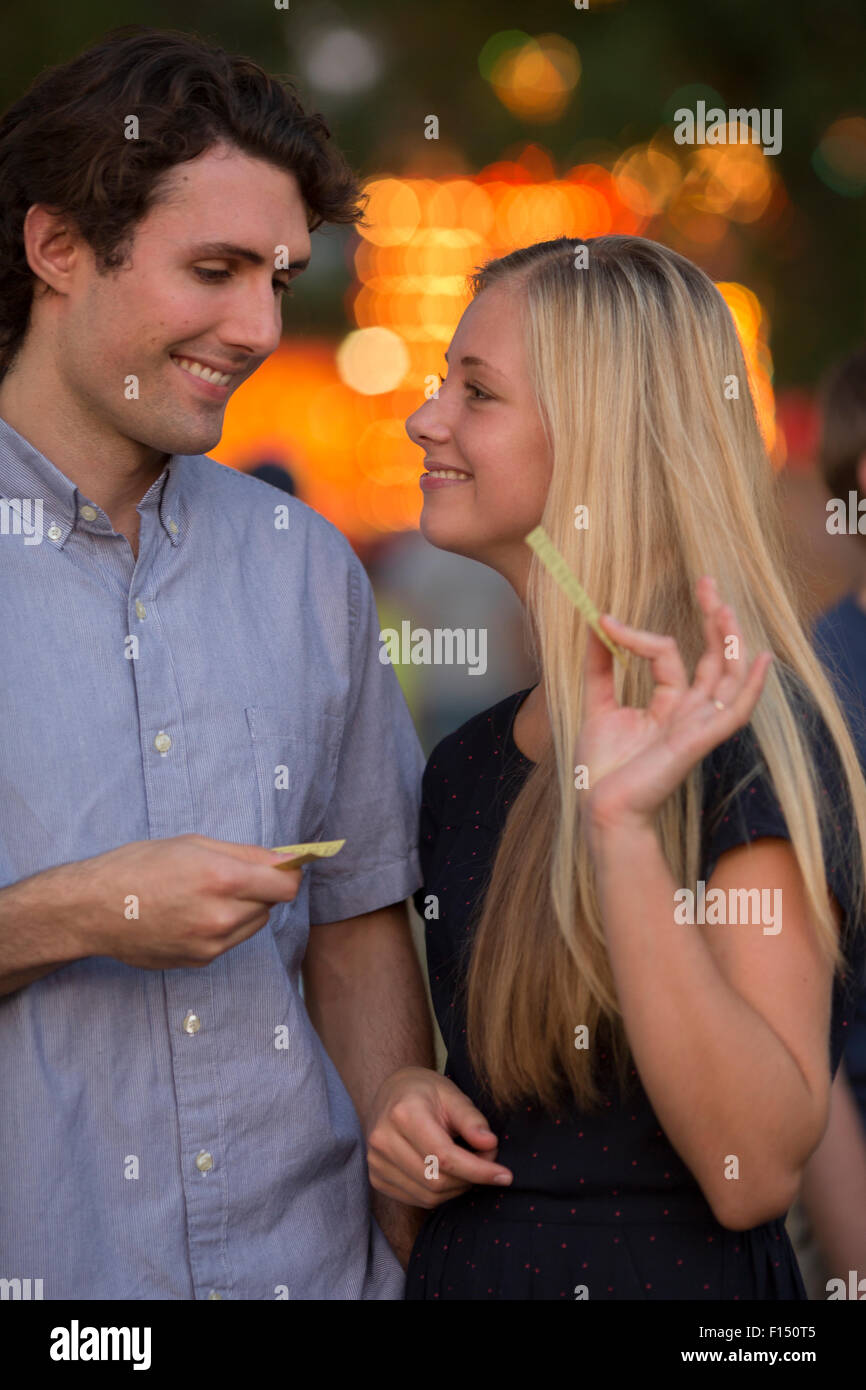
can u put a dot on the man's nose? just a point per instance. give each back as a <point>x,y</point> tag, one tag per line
<point>255,324</point>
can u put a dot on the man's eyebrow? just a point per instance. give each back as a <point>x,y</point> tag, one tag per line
<point>479,362</point>
<point>243,253</point>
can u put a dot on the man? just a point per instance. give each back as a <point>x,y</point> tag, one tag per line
<point>190,676</point>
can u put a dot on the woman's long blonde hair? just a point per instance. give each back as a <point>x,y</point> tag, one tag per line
<point>629,358</point>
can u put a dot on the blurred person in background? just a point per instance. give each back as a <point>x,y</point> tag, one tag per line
<point>828,1222</point>
<point>414,580</point>
<point>276,475</point>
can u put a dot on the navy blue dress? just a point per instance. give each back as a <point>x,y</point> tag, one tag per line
<point>600,1206</point>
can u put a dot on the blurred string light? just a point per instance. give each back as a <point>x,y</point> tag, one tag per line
<point>840,157</point>
<point>341,61</point>
<point>337,416</point>
<point>372,360</point>
<point>752,324</point>
<point>647,179</point>
<point>534,78</point>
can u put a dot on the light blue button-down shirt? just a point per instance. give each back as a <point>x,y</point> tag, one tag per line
<point>144,1154</point>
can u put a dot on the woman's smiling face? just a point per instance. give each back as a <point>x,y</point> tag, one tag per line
<point>485,423</point>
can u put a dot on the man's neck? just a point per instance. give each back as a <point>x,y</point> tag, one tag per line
<point>109,470</point>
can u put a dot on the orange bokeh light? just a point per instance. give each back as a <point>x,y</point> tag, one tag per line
<point>347,447</point>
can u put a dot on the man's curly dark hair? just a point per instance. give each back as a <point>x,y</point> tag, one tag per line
<point>64,144</point>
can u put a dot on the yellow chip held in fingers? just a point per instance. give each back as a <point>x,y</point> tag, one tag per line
<point>540,542</point>
<point>303,854</point>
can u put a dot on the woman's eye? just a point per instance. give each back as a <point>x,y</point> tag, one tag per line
<point>482,395</point>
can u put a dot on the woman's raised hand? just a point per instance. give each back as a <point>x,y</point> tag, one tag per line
<point>635,758</point>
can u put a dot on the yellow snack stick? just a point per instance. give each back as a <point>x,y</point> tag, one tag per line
<point>555,563</point>
<point>303,854</point>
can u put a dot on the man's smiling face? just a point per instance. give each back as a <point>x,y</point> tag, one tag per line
<point>187,295</point>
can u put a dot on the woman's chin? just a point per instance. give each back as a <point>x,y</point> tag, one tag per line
<point>444,537</point>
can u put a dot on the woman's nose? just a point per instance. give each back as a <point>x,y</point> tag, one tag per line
<point>427,422</point>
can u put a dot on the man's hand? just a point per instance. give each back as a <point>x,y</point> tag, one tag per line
<point>197,898</point>
<point>190,899</point>
<point>414,1116</point>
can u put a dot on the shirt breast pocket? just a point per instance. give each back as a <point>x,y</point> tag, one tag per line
<point>295,760</point>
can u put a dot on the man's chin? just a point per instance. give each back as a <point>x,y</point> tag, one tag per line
<point>201,442</point>
<point>192,439</point>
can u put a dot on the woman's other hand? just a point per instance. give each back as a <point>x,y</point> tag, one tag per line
<point>411,1153</point>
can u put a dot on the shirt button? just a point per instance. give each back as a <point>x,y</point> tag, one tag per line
<point>191,1023</point>
<point>213,1294</point>
<point>172,526</point>
<point>140,610</point>
<point>162,742</point>
<point>89,513</point>
<point>54,533</point>
<point>204,1161</point>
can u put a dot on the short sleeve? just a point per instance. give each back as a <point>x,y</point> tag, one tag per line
<point>737,808</point>
<point>740,805</point>
<point>377,788</point>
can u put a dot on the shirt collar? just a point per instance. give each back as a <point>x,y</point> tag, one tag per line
<point>28,478</point>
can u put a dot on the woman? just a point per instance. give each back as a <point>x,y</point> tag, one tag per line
<point>632,1090</point>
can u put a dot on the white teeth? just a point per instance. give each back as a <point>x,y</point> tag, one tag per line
<point>445,473</point>
<point>206,373</point>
